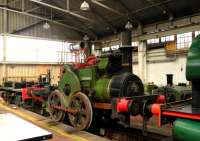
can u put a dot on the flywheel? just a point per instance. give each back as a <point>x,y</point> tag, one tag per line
<point>56,99</point>
<point>82,119</point>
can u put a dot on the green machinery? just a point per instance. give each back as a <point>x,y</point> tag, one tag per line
<point>187,129</point>
<point>81,88</point>
<point>93,84</point>
<point>186,113</point>
<point>170,91</point>
<point>107,84</point>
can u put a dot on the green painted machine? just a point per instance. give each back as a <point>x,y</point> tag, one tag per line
<point>189,129</point>
<point>106,86</point>
<point>92,85</point>
<point>185,113</point>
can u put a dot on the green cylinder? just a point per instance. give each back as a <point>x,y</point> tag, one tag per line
<point>102,89</point>
<point>186,130</point>
<point>193,65</point>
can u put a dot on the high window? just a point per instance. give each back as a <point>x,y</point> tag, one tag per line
<point>184,40</point>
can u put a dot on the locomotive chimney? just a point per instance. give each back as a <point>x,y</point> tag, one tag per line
<point>126,50</point>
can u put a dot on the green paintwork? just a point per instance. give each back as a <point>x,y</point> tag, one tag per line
<point>175,91</point>
<point>87,77</point>
<point>70,78</point>
<point>186,130</point>
<point>193,60</point>
<point>150,87</point>
<point>103,63</point>
<point>101,88</point>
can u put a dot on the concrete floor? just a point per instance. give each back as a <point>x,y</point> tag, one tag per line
<point>61,132</point>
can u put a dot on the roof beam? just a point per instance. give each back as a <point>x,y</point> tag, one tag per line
<point>26,27</point>
<point>62,10</point>
<point>116,11</point>
<point>33,9</point>
<point>107,7</point>
<point>90,32</point>
<point>129,11</point>
<point>110,25</point>
<point>43,18</point>
<point>102,18</point>
<point>163,7</point>
<point>145,8</point>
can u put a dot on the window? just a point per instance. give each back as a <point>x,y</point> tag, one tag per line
<point>196,33</point>
<point>167,38</point>
<point>184,40</point>
<point>153,41</point>
<point>20,49</point>
<point>135,44</point>
<point>115,47</point>
<point>106,49</point>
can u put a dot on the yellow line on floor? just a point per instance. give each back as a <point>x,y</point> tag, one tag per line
<point>42,124</point>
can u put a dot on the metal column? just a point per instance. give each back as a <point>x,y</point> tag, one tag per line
<point>142,61</point>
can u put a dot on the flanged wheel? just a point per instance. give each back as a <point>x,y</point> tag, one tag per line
<point>56,99</point>
<point>82,119</point>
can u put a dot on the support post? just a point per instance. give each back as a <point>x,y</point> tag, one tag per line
<point>142,61</point>
<point>4,66</point>
<point>5,30</point>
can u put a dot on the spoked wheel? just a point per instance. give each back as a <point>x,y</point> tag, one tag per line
<point>83,117</point>
<point>56,99</point>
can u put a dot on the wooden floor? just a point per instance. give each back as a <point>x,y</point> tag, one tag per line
<point>61,132</point>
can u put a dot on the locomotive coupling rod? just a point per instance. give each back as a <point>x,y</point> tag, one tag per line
<point>68,110</point>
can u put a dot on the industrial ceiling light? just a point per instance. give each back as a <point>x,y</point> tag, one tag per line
<point>46,25</point>
<point>128,25</point>
<point>85,38</point>
<point>85,6</point>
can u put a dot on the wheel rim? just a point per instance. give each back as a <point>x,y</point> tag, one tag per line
<point>56,99</point>
<point>83,118</point>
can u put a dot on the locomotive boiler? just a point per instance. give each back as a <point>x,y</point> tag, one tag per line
<point>96,84</point>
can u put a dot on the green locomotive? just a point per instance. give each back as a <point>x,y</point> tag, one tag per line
<point>107,84</point>
<point>93,84</point>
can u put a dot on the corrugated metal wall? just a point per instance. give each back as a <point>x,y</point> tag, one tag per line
<point>18,21</point>
<point>1,21</point>
<point>16,72</point>
<point>55,32</point>
<point>25,25</point>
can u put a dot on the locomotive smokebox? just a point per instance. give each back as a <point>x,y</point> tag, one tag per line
<point>126,51</point>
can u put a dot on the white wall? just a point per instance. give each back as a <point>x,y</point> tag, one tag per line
<point>135,69</point>
<point>156,72</point>
<point>158,65</point>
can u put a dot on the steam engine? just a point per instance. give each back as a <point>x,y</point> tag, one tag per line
<point>107,84</point>
<point>99,83</point>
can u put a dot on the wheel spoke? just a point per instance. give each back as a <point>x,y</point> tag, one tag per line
<point>82,119</point>
<point>55,99</point>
